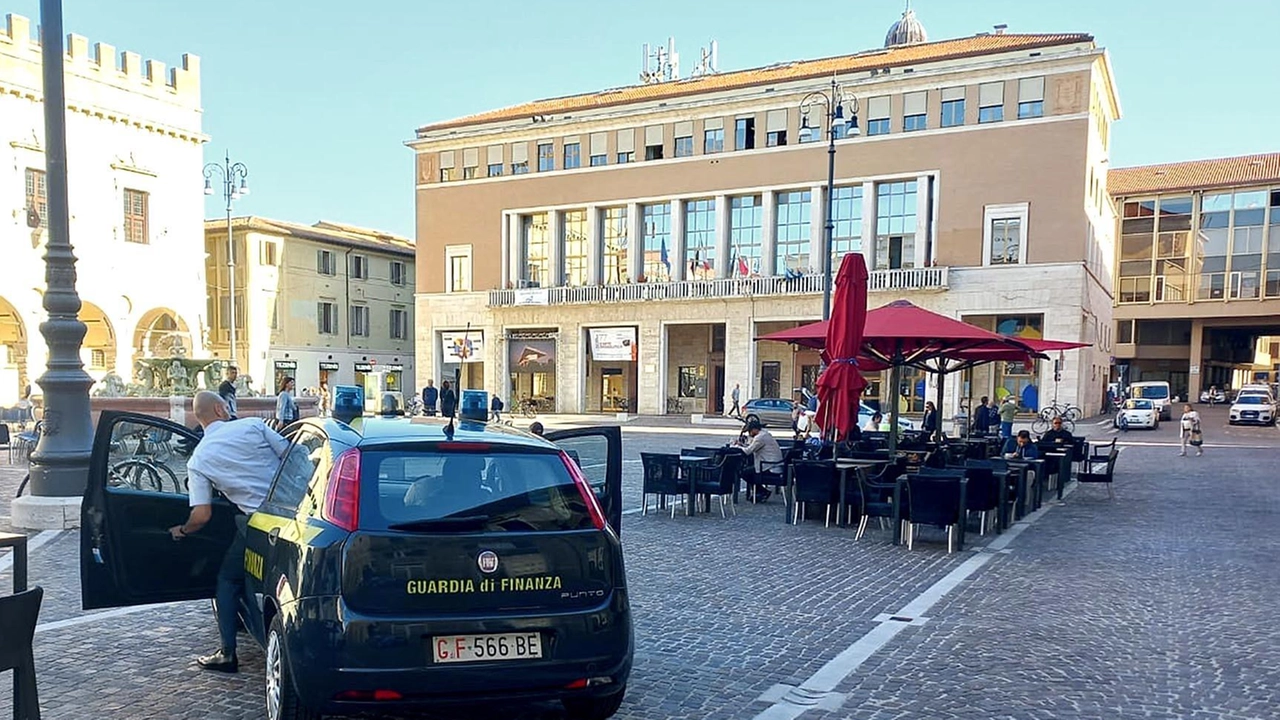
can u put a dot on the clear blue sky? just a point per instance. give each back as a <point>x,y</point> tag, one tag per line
<point>318,96</point>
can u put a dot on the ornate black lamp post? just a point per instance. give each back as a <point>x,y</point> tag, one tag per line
<point>838,126</point>
<point>60,461</point>
<point>228,173</point>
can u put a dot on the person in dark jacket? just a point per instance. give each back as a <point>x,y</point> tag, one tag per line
<point>448,399</point>
<point>930,421</point>
<point>429,397</point>
<point>1021,447</point>
<point>982,417</point>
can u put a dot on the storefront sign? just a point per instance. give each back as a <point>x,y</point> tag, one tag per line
<point>532,296</point>
<point>463,347</point>
<point>393,367</point>
<point>328,366</point>
<point>364,367</point>
<point>532,355</point>
<point>286,364</point>
<point>614,344</point>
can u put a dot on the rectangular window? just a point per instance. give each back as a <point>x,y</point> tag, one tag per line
<point>991,102</point>
<point>775,138</point>
<point>700,238</point>
<point>520,168</point>
<point>1212,246</point>
<point>712,140</point>
<point>692,382</point>
<point>952,107</point>
<point>614,233</point>
<point>654,136</point>
<point>469,172</point>
<point>744,133</point>
<point>573,244</point>
<point>399,324</point>
<point>327,318</point>
<point>446,175</point>
<point>895,225</point>
<point>1272,286</point>
<point>135,216</point>
<point>846,221</point>
<point>655,226</point>
<point>267,253</point>
<point>1247,221</point>
<point>652,152</point>
<point>599,160</point>
<point>360,320</point>
<point>546,157</point>
<point>536,251</point>
<point>572,156</point>
<point>495,170</point>
<point>746,226</point>
<point>37,195</point>
<point>626,157</point>
<point>915,111</point>
<point>1006,241</point>
<point>97,358</point>
<point>398,274</point>
<point>878,127</point>
<point>878,109</point>
<point>1020,379</point>
<point>793,232</point>
<point>684,146</point>
<point>1030,98</point>
<point>458,268</point>
<point>359,267</point>
<point>326,262</point>
<point>1124,332</point>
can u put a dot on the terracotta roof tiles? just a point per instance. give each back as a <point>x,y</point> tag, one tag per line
<point>782,72</point>
<point>1195,175</point>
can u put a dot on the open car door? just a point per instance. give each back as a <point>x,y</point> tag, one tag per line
<point>598,451</point>
<point>136,491</point>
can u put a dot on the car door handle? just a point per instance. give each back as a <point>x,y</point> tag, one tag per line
<point>273,536</point>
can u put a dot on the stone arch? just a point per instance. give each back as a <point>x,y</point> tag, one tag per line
<point>99,347</point>
<point>13,354</point>
<point>161,332</point>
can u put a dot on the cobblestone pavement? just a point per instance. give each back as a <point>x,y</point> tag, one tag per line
<point>1156,604</point>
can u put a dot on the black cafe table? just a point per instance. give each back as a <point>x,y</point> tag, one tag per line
<point>843,466</point>
<point>19,544</point>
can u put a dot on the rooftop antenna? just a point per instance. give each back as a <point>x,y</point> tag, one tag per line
<point>661,64</point>
<point>709,64</point>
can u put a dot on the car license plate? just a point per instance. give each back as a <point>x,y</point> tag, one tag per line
<point>1250,414</point>
<point>475,648</point>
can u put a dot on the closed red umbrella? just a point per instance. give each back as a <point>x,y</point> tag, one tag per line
<point>841,384</point>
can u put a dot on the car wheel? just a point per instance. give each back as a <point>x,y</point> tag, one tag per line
<point>283,702</point>
<point>753,418</point>
<point>596,708</point>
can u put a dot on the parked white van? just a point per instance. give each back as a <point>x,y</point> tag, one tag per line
<point>1156,391</point>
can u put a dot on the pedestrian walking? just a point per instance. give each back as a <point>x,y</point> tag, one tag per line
<point>429,397</point>
<point>448,399</point>
<point>286,406</point>
<point>929,423</point>
<point>1008,411</point>
<point>736,397</point>
<point>1189,432</point>
<point>495,408</point>
<point>324,399</point>
<point>227,390</point>
<point>238,458</point>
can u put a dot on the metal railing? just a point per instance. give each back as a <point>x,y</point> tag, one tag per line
<point>929,278</point>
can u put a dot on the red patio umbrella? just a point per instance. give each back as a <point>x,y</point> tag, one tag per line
<point>841,384</point>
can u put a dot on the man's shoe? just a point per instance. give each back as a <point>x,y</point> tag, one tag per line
<point>220,661</point>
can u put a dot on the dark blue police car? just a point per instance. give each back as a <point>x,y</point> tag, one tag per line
<point>397,563</point>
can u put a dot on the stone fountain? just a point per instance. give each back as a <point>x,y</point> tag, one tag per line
<point>173,376</point>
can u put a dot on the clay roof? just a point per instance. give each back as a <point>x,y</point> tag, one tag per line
<point>325,232</point>
<point>782,72</point>
<point>1195,175</point>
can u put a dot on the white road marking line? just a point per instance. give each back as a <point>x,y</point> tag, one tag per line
<point>95,617</point>
<point>33,544</point>
<point>828,677</point>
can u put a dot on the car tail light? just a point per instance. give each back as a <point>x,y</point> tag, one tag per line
<point>584,487</point>
<point>367,695</point>
<point>342,496</point>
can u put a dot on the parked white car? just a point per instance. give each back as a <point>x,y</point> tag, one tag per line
<point>1138,413</point>
<point>1253,408</point>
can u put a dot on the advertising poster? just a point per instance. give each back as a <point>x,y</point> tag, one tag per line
<point>614,344</point>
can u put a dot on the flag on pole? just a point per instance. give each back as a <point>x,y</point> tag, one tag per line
<point>743,269</point>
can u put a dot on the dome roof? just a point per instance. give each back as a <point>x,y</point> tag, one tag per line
<point>906,31</point>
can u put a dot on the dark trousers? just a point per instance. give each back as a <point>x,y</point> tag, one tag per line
<point>230,588</point>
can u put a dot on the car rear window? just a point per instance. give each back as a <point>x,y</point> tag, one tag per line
<point>1158,392</point>
<point>514,491</point>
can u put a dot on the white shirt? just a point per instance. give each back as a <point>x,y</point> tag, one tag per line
<point>239,458</point>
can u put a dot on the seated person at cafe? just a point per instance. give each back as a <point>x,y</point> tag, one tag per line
<point>1057,435</point>
<point>767,460</point>
<point>873,425</point>
<point>1020,447</point>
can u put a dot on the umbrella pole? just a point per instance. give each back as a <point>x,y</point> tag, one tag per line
<point>942,379</point>
<point>895,379</point>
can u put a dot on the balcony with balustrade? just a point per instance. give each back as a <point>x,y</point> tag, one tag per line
<point>924,279</point>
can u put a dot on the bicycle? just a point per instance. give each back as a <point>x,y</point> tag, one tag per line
<point>143,473</point>
<point>675,406</point>
<point>1042,423</point>
<point>1066,411</point>
<point>529,408</point>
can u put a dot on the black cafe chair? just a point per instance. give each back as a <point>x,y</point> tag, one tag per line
<point>878,493</point>
<point>18,615</point>
<point>815,481</point>
<point>661,478</point>
<point>937,497</point>
<point>982,495</point>
<point>719,479</point>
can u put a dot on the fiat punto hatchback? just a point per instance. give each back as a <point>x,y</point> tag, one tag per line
<point>396,563</point>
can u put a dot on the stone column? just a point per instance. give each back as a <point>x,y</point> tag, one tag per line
<point>635,242</point>
<point>739,356</point>
<point>650,383</point>
<point>595,246</point>
<point>724,267</point>
<point>769,233</point>
<point>675,246</point>
<point>555,227</point>
<point>922,221</point>
<point>504,271</point>
<point>515,252</point>
<point>869,223</point>
<point>1195,372</point>
<point>817,228</point>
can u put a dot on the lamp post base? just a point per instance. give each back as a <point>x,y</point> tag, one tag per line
<point>31,512</point>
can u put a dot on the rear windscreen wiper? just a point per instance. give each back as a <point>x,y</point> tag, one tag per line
<point>444,523</point>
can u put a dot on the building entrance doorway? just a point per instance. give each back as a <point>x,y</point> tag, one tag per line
<point>614,392</point>
<point>717,389</point>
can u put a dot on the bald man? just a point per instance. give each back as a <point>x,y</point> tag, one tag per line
<point>239,458</point>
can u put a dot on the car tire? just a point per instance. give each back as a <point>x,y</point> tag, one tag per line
<point>281,695</point>
<point>753,418</point>
<point>594,708</point>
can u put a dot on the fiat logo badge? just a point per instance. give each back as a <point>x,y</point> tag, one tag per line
<point>488,561</point>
